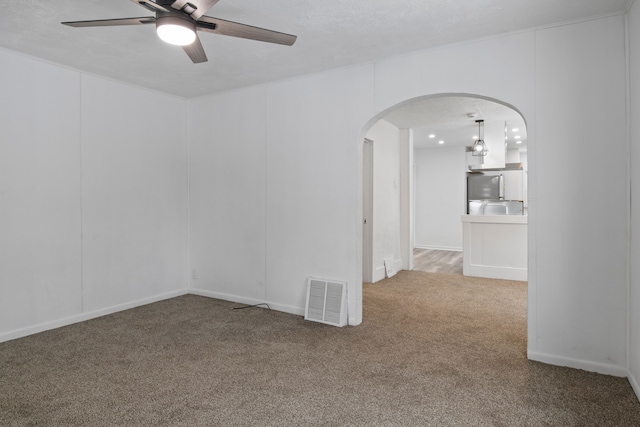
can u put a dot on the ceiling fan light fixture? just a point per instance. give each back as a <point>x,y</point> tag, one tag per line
<point>176,31</point>
<point>178,20</point>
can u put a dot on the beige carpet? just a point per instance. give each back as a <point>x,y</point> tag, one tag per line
<point>433,350</point>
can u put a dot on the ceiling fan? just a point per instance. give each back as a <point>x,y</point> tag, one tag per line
<point>178,20</point>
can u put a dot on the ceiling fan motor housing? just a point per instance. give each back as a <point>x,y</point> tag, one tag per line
<point>175,18</point>
<point>180,5</point>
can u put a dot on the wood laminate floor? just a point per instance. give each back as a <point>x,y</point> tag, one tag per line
<point>435,261</point>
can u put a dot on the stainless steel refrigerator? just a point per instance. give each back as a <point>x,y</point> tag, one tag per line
<point>485,196</point>
<point>483,188</point>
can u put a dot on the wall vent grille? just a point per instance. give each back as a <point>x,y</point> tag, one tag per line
<point>326,302</point>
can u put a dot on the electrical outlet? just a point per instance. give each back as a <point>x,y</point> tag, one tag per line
<point>194,275</point>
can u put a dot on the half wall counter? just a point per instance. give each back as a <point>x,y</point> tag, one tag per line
<point>495,246</point>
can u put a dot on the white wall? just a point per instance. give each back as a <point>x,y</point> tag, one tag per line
<point>634,292</point>
<point>440,197</point>
<point>275,188</point>
<point>134,194</point>
<point>227,163</point>
<point>308,134</point>
<point>386,197</point>
<point>579,298</point>
<point>40,247</point>
<point>577,268</point>
<point>92,196</point>
<point>313,131</point>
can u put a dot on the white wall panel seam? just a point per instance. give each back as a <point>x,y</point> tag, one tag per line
<point>80,168</point>
<point>627,70</point>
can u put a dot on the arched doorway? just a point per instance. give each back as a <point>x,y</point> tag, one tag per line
<point>430,123</point>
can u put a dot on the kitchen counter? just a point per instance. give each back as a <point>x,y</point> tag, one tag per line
<point>495,246</point>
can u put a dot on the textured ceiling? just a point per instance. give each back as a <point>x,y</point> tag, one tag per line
<point>330,34</point>
<point>452,119</point>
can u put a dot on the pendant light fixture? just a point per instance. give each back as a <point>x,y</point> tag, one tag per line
<point>479,147</point>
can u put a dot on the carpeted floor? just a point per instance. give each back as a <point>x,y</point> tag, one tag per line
<point>433,350</point>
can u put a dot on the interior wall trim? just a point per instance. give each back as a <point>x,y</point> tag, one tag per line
<point>46,326</point>
<point>299,311</point>
<point>438,248</point>
<point>600,368</point>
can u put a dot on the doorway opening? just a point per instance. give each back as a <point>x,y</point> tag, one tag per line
<point>417,160</point>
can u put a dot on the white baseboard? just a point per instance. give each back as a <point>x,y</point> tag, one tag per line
<point>20,333</point>
<point>634,384</point>
<point>600,368</point>
<point>298,311</point>
<point>249,301</point>
<point>41,327</point>
<point>380,272</point>
<point>493,272</point>
<point>439,248</point>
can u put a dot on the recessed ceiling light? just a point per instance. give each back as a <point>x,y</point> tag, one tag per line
<point>518,142</point>
<point>441,142</point>
<point>515,130</point>
<point>517,137</point>
<point>431,136</point>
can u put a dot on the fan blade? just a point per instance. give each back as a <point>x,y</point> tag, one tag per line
<point>149,5</point>
<point>112,22</point>
<point>234,29</point>
<point>194,8</point>
<point>195,51</point>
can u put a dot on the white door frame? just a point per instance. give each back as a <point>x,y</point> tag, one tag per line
<point>406,198</point>
<point>367,210</point>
